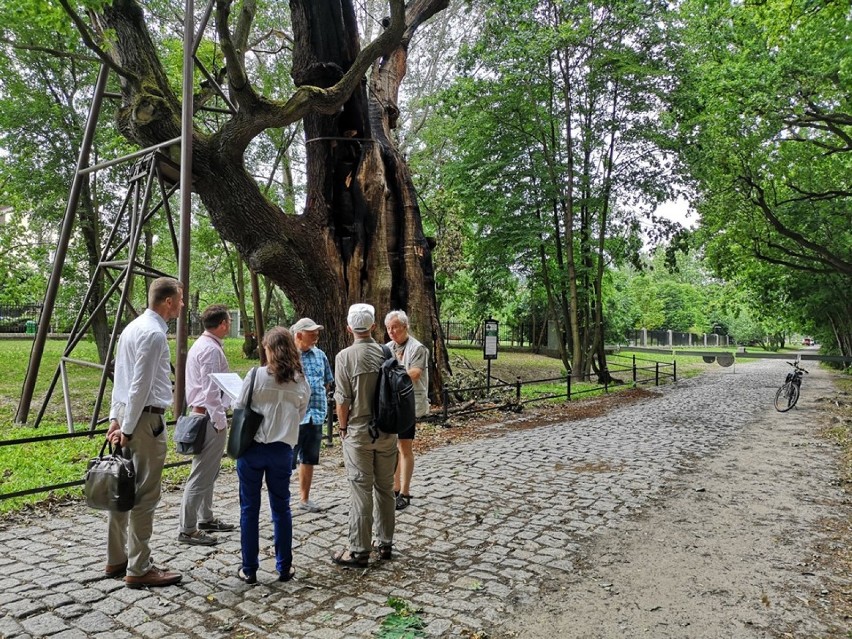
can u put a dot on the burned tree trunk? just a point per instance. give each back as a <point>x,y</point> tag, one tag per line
<point>360,236</point>
<point>360,185</point>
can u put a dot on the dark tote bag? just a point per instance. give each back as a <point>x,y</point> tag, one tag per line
<point>244,425</point>
<point>110,482</point>
<point>190,432</point>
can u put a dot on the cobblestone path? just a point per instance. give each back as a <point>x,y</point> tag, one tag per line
<point>492,521</point>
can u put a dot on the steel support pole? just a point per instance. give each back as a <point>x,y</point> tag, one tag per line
<point>259,323</point>
<point>185,201</point>
<point>61,250</point>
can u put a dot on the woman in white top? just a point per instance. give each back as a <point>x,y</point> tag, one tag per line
<point>281,395</point>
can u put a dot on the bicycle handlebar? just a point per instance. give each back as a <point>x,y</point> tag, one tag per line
<point>797,367</point>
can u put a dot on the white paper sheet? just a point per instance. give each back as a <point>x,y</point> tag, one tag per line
<point>230,383</point>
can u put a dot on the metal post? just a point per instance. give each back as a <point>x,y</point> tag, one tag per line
<point>518,390</point>
<point>445,399</point>
<point>186,132</point>
<point>61,250</point>
<point>569,386</point>
<point>657,374</point>
<point>634,370</point>
<point>488,379</point>
<point>329,425</point>
<point>674,370</point>
<point>259,327</point>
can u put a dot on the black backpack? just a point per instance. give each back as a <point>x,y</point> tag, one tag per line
<point>393,408</point>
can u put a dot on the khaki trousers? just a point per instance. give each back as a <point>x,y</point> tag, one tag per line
<point>130,532</point>
<point>369,469</point>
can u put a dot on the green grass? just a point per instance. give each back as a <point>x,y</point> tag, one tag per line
<point>29,466</point>
<point>403,623</point>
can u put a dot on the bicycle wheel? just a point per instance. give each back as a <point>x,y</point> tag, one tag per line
<point>786,397</point>
<point>794,395</point>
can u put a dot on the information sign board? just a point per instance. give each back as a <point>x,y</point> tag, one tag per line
<point>489,345</point>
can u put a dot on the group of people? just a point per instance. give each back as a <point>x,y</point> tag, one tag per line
<point>290,393</point>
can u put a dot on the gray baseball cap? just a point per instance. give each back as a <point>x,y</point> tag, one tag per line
<point>305,324</point>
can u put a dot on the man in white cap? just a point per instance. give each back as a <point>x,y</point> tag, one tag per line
<point>370,461</point>
<point>317,371</point>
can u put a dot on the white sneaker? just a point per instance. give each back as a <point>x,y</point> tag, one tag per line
<point>308,506</point>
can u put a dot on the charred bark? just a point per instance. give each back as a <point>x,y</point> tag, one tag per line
<point>360,237</point>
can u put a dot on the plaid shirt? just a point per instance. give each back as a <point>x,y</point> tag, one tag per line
<point>318,373</point>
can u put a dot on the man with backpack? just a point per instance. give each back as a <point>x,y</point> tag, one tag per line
<point>415,358</point>
<point>369,454</point>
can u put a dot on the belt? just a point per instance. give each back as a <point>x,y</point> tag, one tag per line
<point>199,409</point>
<point>154,409</point>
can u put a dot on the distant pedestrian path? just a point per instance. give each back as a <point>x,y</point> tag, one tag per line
<point>491,522</point>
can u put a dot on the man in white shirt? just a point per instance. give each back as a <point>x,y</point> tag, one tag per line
<point>203,396</point>
<point>141,392</point>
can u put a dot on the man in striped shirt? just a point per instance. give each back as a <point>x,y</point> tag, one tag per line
<point>317,371</point>
<point>203,396</point>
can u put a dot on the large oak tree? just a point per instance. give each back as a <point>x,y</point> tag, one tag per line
<point>360,236</point>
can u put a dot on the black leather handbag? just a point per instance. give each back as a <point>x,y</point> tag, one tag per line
<point>110,482</point>
<point>244,425</point>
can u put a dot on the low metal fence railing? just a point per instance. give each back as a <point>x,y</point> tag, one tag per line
<point>655,372</point>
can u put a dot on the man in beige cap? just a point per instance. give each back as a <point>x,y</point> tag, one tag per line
<point>317,371</point>
<point>369,461</point>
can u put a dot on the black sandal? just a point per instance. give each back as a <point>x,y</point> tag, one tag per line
<point>349,559</point>
<point>287,576</point>
<point>246,577</point>
<point>385,551</point>
<point>403,501</point>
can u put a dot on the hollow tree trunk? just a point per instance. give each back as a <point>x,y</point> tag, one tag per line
<point>360,237</point>
<point>361,201</point>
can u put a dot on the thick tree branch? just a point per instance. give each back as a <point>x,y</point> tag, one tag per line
<point>234,59</point>
<point>265,113</point>
<point>758,198</point>
<point>89,42</point>
<point>243,28</point>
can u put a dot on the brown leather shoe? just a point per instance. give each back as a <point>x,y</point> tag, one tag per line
<point>115,570</point>
<point>153,578</point>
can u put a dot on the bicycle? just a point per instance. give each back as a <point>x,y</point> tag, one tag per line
<point>788,394</point>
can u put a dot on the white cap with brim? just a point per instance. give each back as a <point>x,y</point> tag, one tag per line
<point>361,317</point>
<point>305,324</point>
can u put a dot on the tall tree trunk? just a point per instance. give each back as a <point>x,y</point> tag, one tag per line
<point>359,237</point>
<point>372,243</point>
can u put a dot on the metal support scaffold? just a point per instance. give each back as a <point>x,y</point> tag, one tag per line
<point>155,178</point>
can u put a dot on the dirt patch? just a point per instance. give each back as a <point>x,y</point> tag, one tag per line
<point>597,467</point>
<point>465,428</point>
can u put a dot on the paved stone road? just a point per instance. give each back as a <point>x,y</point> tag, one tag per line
<point>493,520</point>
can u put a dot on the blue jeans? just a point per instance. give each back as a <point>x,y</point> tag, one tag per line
<point>275,461</point>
